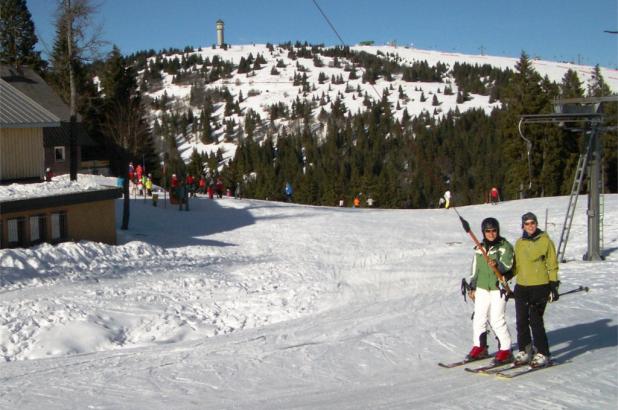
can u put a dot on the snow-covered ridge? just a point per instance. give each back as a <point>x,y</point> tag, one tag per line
<point>261,88</point>
<point>554,70</point>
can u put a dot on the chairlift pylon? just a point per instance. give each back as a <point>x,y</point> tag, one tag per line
<point>529,151</point>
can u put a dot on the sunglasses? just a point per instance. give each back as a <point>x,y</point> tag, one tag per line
<point>529,223</point>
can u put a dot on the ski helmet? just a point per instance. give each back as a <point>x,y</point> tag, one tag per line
<point>528,216</point>
<point>490,223</point>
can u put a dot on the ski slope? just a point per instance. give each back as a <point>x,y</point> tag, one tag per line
<point>247,304</point>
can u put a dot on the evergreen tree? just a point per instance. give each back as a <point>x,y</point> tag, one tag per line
<point>523,96</point>
<point>17,36</point>
<point>597,86</point>
<point>196,164</point>
<point>571,87</point>
<point>125,123</point>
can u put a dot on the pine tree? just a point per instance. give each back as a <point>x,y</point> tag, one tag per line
<point>17,36</point>
<point>571,87</point>
<point>597,87</point>
<point>125,122</point>
<point>523,96</point>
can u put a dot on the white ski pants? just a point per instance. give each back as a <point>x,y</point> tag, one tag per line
<point>490,306</point>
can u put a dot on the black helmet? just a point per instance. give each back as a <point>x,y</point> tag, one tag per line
<point>490,223</point>
<point>528,216</point>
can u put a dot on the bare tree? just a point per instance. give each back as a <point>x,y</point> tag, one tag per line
<point>83,43</point>
<point>125,126</point>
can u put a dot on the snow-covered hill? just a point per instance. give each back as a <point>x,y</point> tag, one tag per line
<point>248,304</point>
<point>261,88</point>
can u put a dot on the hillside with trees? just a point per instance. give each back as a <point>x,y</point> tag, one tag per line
<point>398,124</point>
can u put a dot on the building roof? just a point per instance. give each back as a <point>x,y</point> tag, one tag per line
<point>23,85</point>
<point>28,82</point>
<point>17,110</point>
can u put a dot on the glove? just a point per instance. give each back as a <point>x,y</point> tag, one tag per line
<point>553,291</point>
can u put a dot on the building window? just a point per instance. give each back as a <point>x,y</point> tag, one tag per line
<point>15,234</point>
<point>59,231</point>
<point>37,229</point>
<point>59,154</point>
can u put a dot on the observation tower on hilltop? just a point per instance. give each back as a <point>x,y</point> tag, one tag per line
<point>220,40</point>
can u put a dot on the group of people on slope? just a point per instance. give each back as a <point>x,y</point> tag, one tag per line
<point>142,182</point>
<point>534,263</point>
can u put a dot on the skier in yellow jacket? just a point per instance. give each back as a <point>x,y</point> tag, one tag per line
<point>536,271</point>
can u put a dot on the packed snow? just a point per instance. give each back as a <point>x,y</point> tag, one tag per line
<point>60,185</point>
<point>248,304</point>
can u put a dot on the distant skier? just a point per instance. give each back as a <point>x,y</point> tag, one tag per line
<point>219,188</point>
<point>202,185</point>
<point>494,195</point>
<point>148,185</point>
<point>237,191</point>
<point>139,172</point>
<point>288,191</point>
<point>190,183</point>
<point>447,199</point>
<point>48,174</point>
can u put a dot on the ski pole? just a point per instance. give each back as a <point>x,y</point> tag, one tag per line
<point>465,288</point>
<point>579,289</point>
<point>466,227</point>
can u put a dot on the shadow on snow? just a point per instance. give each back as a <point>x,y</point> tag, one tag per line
<point>576,340</point>
<point>205,217</point>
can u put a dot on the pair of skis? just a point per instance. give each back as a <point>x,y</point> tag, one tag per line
<point>501,370</point>
<point>508,370</point>
<point>461,362</point>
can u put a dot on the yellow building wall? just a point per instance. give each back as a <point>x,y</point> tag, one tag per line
<point>92,221</point>
<point>22,154</point>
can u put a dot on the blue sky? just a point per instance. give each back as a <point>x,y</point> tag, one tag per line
<point>560,30</point>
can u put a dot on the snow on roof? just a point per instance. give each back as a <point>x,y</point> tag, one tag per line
<point>57,186</point>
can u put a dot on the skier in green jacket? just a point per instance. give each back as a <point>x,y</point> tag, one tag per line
<point>536,270</point>
<point>489,300</point>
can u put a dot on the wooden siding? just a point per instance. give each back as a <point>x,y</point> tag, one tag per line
<point>92,221</point>
<point>21,153</point>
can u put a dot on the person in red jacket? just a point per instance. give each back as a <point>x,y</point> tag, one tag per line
<point>190,183</point>
<point>219,188</point>
<point>202,185</point>
<point>173,188</point>
<point>48,174</point>
<point>139,171</point>
<point>494,195</point>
